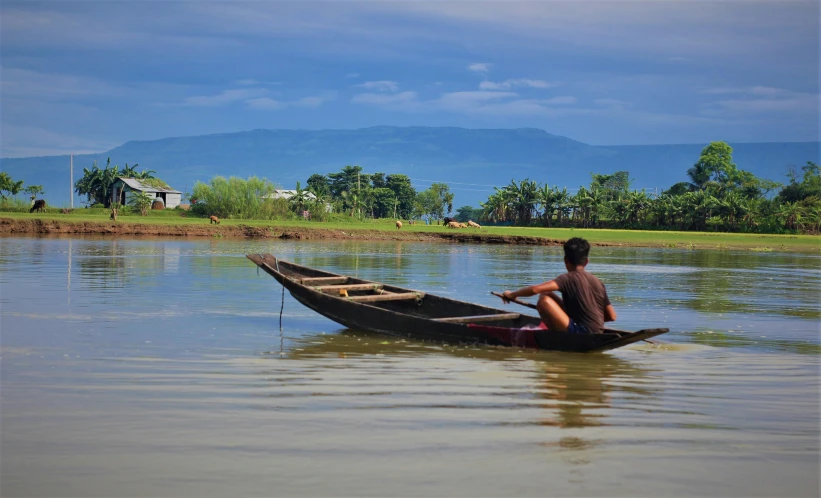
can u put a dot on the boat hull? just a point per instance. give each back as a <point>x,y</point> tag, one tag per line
<point>422,317</point>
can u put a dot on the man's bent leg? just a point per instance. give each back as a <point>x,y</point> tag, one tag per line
<point>551,312</point>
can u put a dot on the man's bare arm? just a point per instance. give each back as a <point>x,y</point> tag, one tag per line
<point>609,313</point>
<point>531,290</point>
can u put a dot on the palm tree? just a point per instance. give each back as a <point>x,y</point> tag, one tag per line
<point>698,205</point>
<point>352,200</point>
<point>321,197</point>
<point>544,197</point>
<point>561,201</point>
<point>636,202</point>
<point>523,198</point>
<point>496,208</point>
<point>699,175</point>
<point>619,205</point>
<point>596,203</point>
<point>584,200</point>
<point>791,214</point>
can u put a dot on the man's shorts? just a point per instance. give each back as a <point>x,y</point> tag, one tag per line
<point>575,328</point>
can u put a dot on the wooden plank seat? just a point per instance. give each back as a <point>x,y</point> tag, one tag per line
<point>348,287</point>
<point>388,296</point>
<point>479,318</point>
<point>322,280</point>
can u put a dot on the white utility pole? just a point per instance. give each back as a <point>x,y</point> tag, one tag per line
<point>71,180</point>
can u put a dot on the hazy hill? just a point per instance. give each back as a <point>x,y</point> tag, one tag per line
<point>471,160</point>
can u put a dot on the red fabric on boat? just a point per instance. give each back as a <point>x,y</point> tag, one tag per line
<point>522,338</point>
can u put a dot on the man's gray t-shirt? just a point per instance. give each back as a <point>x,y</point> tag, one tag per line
<point>584,298</point>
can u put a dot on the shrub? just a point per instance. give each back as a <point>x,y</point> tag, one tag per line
<point>14,205</point>
<point>141,202</point>
<point>238,198</point>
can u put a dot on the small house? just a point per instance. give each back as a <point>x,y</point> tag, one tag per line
<point>287,194</point>
<point>125,188</point>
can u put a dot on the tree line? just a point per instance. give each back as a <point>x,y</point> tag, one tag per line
<point>718,196</point>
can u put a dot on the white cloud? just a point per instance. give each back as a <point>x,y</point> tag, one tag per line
<point>253,82</point>
<point>797,103</point>
<point>469,99</point>
<point>760,99</point>
<point>520,82</point>
<point>269,104</point>
<point>471,103</point>
<point>309,102</point>
<point>26,141</point>
<point>480,67</point>
<point>748,90</point>
<point>381,86</point>
<point>25,83</point>
<point>402,99</point>
<point>265,103</point>
<point>562,100</point>
<point>503,104</point>
<point>226,97</point>
<point>614,104</point>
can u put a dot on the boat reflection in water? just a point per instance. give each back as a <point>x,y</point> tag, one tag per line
<point>567,390</point>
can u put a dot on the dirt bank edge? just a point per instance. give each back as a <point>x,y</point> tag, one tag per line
<point>51,227</point>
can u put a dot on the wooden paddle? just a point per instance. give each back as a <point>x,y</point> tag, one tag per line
<point>514,300</point>
<point>533,306</point>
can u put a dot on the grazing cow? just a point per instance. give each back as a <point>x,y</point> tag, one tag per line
<point>214,219</point>
<point>398,224</point>
<point>446,220</point>
<point>39,206</point>
<point>462,225</point>
<point>473,224</point>
<point>411,222</point>
<point>453,224</point>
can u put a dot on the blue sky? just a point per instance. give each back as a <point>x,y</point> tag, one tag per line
<point>87,76</point>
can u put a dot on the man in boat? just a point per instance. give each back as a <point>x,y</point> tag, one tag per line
<point>584,305</point>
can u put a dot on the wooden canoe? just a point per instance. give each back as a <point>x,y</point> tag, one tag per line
<point>386,309</point>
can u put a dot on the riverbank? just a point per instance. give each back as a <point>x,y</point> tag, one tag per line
<point>179,226</point>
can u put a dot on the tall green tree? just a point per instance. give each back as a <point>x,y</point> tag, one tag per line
<point>378,180</point>
<point>433,201</point>
<point>319,184</point>
<point>809,186</point>
<point>8,186</point>
<point>350,179</point>
<point>613,185</point>
<point>716,160</point>
<point>404,192</point>
<point>468,213</point>
<point>384,203</point>
<point>34,190</point>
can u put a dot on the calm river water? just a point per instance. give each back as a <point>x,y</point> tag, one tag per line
<point>148,367</point>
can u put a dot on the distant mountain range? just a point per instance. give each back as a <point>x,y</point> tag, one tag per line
<point>472,161</point>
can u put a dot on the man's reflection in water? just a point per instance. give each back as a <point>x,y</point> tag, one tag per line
<point>580,390</point>
<point>577,389</point>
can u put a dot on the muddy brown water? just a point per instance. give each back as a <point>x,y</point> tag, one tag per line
<point>156,367</point>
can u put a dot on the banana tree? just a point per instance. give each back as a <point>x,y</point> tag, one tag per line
<point>300,199</point>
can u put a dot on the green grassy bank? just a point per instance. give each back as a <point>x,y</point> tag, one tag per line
<point>638,238</point>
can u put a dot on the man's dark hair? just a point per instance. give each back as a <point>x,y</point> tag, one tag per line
<point>576,251</point>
